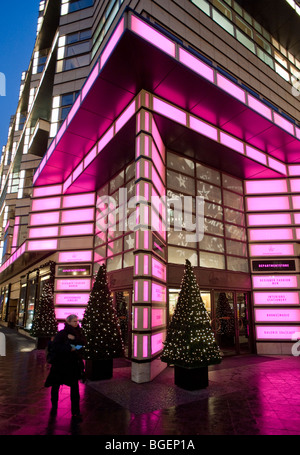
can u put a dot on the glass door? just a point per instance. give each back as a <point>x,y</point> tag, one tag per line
<point>123,304</point>
<point>231,322</point>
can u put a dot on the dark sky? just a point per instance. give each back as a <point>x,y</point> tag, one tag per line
<point>18,25</point>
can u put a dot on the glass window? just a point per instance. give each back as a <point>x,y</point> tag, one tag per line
<point>280,59</point>
<point>180,239</point>
<point>237,264</point>
<point>213,227</point>
<point>76,49</point>
<point>223,22</point>
<point>180,182</point>
<point>235,232</point>
<point>223,8</point>
<point>232,216</point>
<point>244,27</point>
<point>265,58</point>
<point>208,174</point>
<point>76,62</point>
<point>76,5</point>
<point>116,182</point>
<point>179,255</point>
<point>181,164</point>
<point>211,260</point>
<point>236,248</point>
<point>212,243</point>
<point>78,36</point>
<point>233,200</point>
<point>232,184</point>
<point>245,41</point>
<point>209,192</point>
<point>114,263</point>
<point>203,5</point>
<point>213,210</point>
<point>283,73</point>
<point>128,260</point>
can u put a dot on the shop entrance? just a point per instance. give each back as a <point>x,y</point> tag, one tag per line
<point>123,304</point>
<point>230,316</point>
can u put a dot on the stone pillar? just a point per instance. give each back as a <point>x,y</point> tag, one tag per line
<point>149,305</point>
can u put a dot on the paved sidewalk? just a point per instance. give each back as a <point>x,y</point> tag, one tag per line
<point>247,395</point>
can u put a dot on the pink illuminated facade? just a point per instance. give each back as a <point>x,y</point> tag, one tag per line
<point>152,157</point>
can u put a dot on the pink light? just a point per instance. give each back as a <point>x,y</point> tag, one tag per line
<point>106,138</point>
<point>231,142</point>
<point>294,170</point>
<point>136,317</point>
<point>158,162</point>
<point>112,43</point>
<point>135,345</point>
<point>269,220</point>
<point>259,107</point>
<point>158,293</point>
<point>127,114</point>
<point>41,191</point>
<point>203,128</point>
<point>266,186</point>
<point>67,183</point>
<point>277,315</point>
<point>146,148</point>
<point>63,313</point>
<point>298,234</point>
<point>231,88</point>
<point>277,332</point>
<point>157,317</point>
<point>78,171</point>
<point>74,109</point>
<point>270,234</point>
<point>256,155</point>
<point>91,79</point>
<point>276,249</point>
<point>146,169</point>
<point>90,156</point>
<point>147,119</point>
<point>79,200</point>
<point>157,182</point>
<point>276,298</point>
<point>75,256</point>
<point>169,111</point>
<point>275,281</point>
<point>295,185</point>
<point>158,269</point>
<point>51,149</point>
<point>16,232</point>
<point>77,229</point>
<point>78,284</point>
<point>146,265</point>
<point>297,218</point>
<point>146,291</point>
<point>145,346</point>
<point>274,164</point>
<point>136,264</point>
<point>146,240</point>
<point>72,299</point>
<point>61,131</point>
<point>39,245</point>
<point>296,202</point>
<point>37,233</point>
<point>145,318</point>
<point>196,65</point>
<point>45,204</point>
<point>71,216</point>
<point>151,35</point>
<point>158,140</point>
<point>156,342</point>
<point>272,203</point>
<point>283,123</point>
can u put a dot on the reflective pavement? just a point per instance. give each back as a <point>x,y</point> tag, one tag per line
<point>247,395</point>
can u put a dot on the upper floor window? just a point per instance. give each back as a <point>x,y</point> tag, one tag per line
<point>76,5</point>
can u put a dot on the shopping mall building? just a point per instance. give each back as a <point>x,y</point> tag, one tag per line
<point>148,133</point>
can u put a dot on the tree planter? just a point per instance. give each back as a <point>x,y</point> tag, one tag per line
<point>99,369</point>
<point>191,378</point>
<point>42,342</point>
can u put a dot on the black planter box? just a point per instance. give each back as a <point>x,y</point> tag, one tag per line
<point>99,369</point>
<point>191,378</point>
<point>42,342</point>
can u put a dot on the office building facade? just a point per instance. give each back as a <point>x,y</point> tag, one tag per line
<point>148,133</point>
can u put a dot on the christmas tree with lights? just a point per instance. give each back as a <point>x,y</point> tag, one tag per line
<point>225,321</point>
<point>44,323</point>
<point>190,342</point>
<point>100,323</point>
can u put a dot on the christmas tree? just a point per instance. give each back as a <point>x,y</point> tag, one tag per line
<point>224,316</point>
<point>190,341</point>
<point>100,323</point>
<point>44,323</point>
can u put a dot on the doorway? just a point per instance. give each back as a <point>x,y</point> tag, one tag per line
<point>231,322</point>
<point>123,305</point>
<point>230,316</point>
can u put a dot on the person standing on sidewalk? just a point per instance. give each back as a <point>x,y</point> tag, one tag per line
<point>67,366</point>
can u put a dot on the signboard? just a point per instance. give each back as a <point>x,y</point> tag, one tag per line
<point>276,281</point>
<point>276,298</point>
<point>71,299</point>
<point>78,270</point>
<point>273,265</point>
<point>277,332</point>
<point>277,315</point>
<point>73,285</point>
